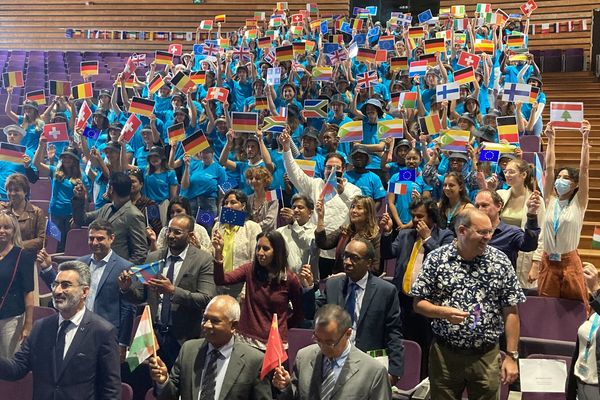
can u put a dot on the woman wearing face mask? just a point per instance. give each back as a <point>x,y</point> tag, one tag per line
<point>561,271</point>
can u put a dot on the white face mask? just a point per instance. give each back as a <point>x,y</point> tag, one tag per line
<point>562,186</point>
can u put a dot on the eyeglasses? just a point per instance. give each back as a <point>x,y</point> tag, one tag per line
<point>353,257</point>
<point>64,285</point>
<point>483,232</point>
<point>330,345</point>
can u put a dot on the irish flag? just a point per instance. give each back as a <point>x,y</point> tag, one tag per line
<point>144,343</point>
<point>351,132</point>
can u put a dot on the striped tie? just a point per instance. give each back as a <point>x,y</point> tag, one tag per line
<point>210,376</point>
<point>328,380</point>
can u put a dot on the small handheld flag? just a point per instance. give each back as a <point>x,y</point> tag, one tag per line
<point>37,95</point>
<point>407,175</point>
<point>329,191</point>
<point>393,128</point>
<point>141,106</point>
<point>397,188</point>
<point>56,132</point>
<point>145,272</point>
<point>13,79</point>
<point>53,231</point>
<point>244,121</point>
<point>596,238</point>
<point>12,152</point>
<point>195,143</point>
<point>351,132</point>
<point>176,133</point>
<point>489,155</point>
<point>232,217</point>
<point>275,353</point>
<point>566,115</point>
<point>130,128</point>
<point>85,112</point>
<point>88,68</point>
<point>144,343</point>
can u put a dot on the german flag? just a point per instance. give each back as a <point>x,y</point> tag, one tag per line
<point>198,77</point>
<point>195,143</point>
<point>60,88</point>
<point>83,91</point>
<point>155,84</point>
<point>37,95</point>
<point>299,47</point>
<point>284,53</point>
<point>433,46</point>
<point>12,153</point>
<point>244,121</point>
<point>130,82</point>
<point>515,41</point>
<point>484,46</point>
<point>395,100</point>
<point>182,82</point>
<point>399,64</point>
<point>261,104</point>
<point>465,75</point>
<point>13,79</point>
<point>88,68</point>
<point>507,129</point>
<point>176,133</point>
<point>533,95</point>
<point>366,55</point>
<point>430,58</point>
<point>141,106</point>
<point>220,18</point>
<point>264,42</point>
<point>416,32</point>
<point>163,57</point>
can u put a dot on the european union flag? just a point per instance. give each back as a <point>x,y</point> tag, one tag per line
<point>372,10</point>
<point>153,212</point>
<point>407,175</point>
<point>330,48</point>
<point>205,218</point>
<point>91,133</point>
<point>53,231</point>
<point>227,186</point>
<point>373,32</point>
<point>232,217</point>
<point>198,49</point>
<point>360,39</point>
<point>425,16</point>
<point>345,28</point>
<point>323,27</point>
<point>489,156</point>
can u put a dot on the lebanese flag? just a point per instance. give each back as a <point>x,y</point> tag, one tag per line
<point>468,60</point>
<point>56,132</point>
<point>217,93</point>
<point>85,112</point>
<point>566,115</point>
<point>130,128</point>
<point>275,354</point>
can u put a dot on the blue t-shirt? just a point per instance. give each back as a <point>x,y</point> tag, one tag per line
<point>32,135</point>
<point>62,193</point>
<point>403,200</point>
<point>8,168</point>
<point>526,107</point>
<point>240,168</point>
<point>240,91</point>
<point>369,183</point>
<point>204,180</point>
<point>370,136</point>
<point>157,186</point>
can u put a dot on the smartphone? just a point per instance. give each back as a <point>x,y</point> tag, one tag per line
<point>339,174</point>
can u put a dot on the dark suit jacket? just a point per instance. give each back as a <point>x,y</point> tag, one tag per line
<point>91,368</point>
<point>401,248</point>
<point>379,323</point>
<point>109,303</point>
<point>194,287</point>
<point>361,377</point>
<point>241,378</point>
<point>129,227</point>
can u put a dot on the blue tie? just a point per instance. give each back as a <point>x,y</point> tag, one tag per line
<point>351,301</point>
<point>165,313</point>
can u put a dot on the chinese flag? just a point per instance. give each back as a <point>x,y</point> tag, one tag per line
<point>275,354</point>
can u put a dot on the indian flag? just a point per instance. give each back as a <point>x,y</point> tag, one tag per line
<point>596,238</point>
<point>351,132</point>
<point>144,343</point>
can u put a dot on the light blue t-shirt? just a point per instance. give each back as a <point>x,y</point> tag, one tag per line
<point>158,185</point>
<point>402,201</point>
<point>204,180</point>
<point>62,193</point>
<point>369,183</point>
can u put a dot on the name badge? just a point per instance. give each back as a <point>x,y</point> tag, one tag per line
<point>555,257</point>
<point>582,369</point>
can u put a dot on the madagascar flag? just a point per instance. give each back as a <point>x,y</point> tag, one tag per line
<point>464,75</point>
<point>163,57</point>
<point>60,88</point>
<point>399,63</point>
<point>182,82</point>
<point>195,143</point>
<point>37,95</point>
<point>261,104</point>
<point>176,133</point>
<point>13,79</point>
<point>88,68</point>
<point>12,153</point>
<point>83,91</point>
<point>433,46</point>
<point>156,83</point>
<point>244,121</point>
<point>366,55</point>
<point>507,129</point>
<point>284,53</point>
<point>141,106</point>
<point>198,77</point>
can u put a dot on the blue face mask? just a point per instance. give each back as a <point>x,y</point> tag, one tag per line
<point>562,186</point>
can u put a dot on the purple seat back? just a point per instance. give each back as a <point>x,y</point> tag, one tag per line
<point>560,318</point>
<point>77,243</point>
<point>297,339</point>
<point>18,390</point>
<point>126,392</point>
<point>412,366</point>
<point>548,396</point>
<point>530,143</point>
<point>41,190</point>
<point>42,312</point>
<point>150,395</point>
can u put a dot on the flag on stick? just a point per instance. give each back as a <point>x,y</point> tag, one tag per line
<point>144,342</point>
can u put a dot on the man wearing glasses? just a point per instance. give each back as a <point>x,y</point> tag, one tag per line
<point>73,354</point>
<point>333,368</point>
<point>470,291</point>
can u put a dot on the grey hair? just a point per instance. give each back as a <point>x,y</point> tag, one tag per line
<point>85,276</point>
<point>231,309</point>
<point>465,217</point>
<point>335,313</point>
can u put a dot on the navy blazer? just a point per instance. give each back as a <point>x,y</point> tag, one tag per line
<point>109,302</point>
<point>379,323</point>
<point>91,369</point>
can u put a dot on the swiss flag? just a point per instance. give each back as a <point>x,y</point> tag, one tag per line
<point>176,49</point>
<point>56,132</point>
<point>129,68</point>
<point>297,18</point>
<point>217,93</point>
<point>528,7</point>
<point>468,60</point>
<point>85,112</point>
<point>130,127</point>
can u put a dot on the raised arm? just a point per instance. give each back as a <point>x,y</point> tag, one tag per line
<point>550,164</point>
<point>38,158</point>
<point>7,108</point>
<point>584,166</point>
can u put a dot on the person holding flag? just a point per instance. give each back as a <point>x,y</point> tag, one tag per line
<point>263,203</point>
<point>219,366</point>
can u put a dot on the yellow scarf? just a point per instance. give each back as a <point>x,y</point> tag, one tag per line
<point>229,232</point>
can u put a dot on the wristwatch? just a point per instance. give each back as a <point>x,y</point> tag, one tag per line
<point>513,354</point>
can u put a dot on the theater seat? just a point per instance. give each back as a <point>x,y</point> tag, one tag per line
<point>18,390</point>
<point>126,392</point>
<point>297,339</point>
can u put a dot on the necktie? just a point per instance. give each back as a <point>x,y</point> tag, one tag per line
<point>328,380</point>
<point>210,376</point>
<point>415,262</point>
<point>59,349</point>
<point>165,312</point>
<point>351,301</point>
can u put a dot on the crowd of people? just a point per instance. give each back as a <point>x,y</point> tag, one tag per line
<point>466,235</point>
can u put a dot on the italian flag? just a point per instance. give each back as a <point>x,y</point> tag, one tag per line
<point>144,343</point>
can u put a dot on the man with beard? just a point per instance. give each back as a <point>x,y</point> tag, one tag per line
<point>179,294</point>
<point>74,354</point>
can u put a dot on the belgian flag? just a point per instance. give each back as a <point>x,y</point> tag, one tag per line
<point>13,79</point>
<point>60,88</point>
<point>83,91</point>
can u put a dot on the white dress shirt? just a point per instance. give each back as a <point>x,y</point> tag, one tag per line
<point>222,363</point>
<point>360,294</point>
<point>96,269</point>
<point>72,329</point>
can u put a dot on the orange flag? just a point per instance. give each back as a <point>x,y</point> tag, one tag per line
<point>275,354</point>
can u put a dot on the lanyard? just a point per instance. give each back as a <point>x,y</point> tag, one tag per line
<point>588,344</point>
<point>451,213</point>
<point>556,217</point>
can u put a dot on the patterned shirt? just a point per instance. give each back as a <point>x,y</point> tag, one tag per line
<point>482,287</point>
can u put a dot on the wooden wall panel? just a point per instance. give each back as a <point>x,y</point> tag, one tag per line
<point>41,24</point>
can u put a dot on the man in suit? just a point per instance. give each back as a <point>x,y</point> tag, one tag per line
<point>333,368</point>
<point>104,297</point>
<point>74,354</point>
<point>372,304</point>
<point>129,224</point>
<point>180,293</point>
<point>232,374</point>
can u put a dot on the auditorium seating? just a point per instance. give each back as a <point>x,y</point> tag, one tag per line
<point>298,339</point>
<point>42,312</point>
<point>126,392</point>
<point>412,369</point>
<point>75,246</point>
<point>548,396</point>
<point>18,390</point>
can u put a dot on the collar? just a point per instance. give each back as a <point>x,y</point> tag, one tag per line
<point>339,361</point>
<point>76,320</point>
<point>182,254</point>
<point>454,255</point>
<point>501,227</point>
<point>105,259</point>
<point>225,350</point>
<point>362,282</point>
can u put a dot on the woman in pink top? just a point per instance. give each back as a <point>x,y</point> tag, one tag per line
<point>270,287</point>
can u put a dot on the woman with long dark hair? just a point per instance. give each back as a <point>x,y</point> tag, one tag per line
<point>454,199</point>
